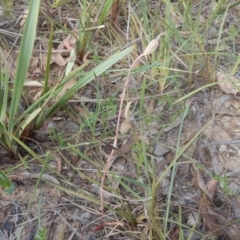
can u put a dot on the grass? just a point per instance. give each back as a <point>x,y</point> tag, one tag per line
<point>134,196</point>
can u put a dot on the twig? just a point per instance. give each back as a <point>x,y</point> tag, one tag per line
<point>235,141</point>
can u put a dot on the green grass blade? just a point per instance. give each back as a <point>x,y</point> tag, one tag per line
<point>27,121</point>
<point>1,82</point>
<point>101,68</point>
<point>54,90</point>
<point>4,138</point>
<point>4,181</point>
<point>4,98</point>
<point>106,8</point>
<point>24,58</point>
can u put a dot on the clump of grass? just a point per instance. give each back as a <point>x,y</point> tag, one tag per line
<point>13,123</point>
<point>88,26</point>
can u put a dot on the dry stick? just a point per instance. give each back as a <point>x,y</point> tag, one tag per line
<point>149,49</point>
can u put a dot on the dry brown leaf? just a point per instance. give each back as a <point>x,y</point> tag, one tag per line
<point>124,150</point>
<point>58,159</point>
<point>175,234</point>
<point>69,41</point>
<point>210,220</point>
<point>67,86</point>
<point>83,112</point>
<point>126,126</point>
<point>37,71</point>
<point>58,59</point>
<point>126,147</point>
<point>74,159</point>
<point>213,221</point>
<point>119,164</point>
<point>24,17</point>
<point>201,184</point>
<point>127,112</point>
<point>211,186</point>
<point>67,45</point>
<point>217,223</point>
<point>33,63</point>
<point>215,161</point>
<point>227,83</point>
<point>55,58</point>
<point>37,95</point>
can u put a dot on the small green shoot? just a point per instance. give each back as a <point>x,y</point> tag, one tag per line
<point>223,182</point>
<point>8,186</point>
<point>41,232</point>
